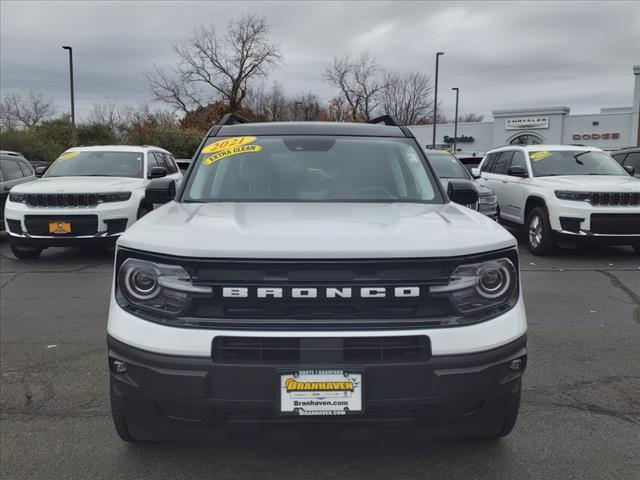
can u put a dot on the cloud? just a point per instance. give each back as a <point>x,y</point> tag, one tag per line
<point>501,55</point>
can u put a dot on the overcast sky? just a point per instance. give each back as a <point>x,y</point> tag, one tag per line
<point>501,55</point>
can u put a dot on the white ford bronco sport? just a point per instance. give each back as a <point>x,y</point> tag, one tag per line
<point>308,274</point>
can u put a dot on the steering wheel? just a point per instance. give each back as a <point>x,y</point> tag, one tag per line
<point>380,191</point>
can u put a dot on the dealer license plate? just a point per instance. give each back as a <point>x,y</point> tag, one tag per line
<point>321,392</point>
<point>59,227</point>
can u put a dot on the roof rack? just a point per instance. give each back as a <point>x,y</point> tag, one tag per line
<point>390,120</point>
<point>231,118</point>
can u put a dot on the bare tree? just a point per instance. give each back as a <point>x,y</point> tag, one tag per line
<point>470,118</point>
<point>408,97</point>
<point>212,66</point>
<point>360,83</point>
<point>338,109</point>
<point>26,111</point>
<point>267,105</point>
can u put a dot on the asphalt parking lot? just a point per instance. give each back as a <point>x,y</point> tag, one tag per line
<point>580,417</point>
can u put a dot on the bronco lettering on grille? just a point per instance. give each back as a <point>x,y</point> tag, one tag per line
<point>320,292</point>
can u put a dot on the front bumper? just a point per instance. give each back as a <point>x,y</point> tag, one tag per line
<point>581,220</point>
<point>176,397</point>
<point>112,220</point>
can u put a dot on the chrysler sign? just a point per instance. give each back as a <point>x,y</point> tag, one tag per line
<point>526,123</point>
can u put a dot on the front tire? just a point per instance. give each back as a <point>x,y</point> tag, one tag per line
<point>25,253</point>
<point>540,237</point>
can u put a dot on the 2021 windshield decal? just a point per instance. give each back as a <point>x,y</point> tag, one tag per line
<point>229,147</point>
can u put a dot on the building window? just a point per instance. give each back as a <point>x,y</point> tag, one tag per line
<point>526,139</point>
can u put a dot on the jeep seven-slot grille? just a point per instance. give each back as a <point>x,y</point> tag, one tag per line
<point>62,199</point>
<point>614,199</point>
<point>355,350</point>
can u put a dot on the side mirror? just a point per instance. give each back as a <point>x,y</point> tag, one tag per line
<point>475,173</point>
<point>518,171</point>
<point>158,172</point>
<point>161,190</point>
<point>40,171</point>
<point>630,169</point>
<point>462,191</point>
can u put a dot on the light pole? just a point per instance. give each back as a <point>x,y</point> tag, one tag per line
<point>455,123</point>
<point>73,109</point>
<point>435,101</point>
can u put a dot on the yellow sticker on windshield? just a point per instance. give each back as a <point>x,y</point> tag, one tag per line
<point>68,155</point>
<point>227,143</point>
<point>229,152</point>
<point>536,156</point>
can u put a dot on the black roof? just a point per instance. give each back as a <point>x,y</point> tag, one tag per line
<point>626,150</point>
<point>310,128</point>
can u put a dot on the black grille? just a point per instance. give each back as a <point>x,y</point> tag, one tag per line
<point>248,311</point>
<point>81,225</point>
<point>631,199</point>
<point>356,350</point>
<point>14,226</point>
<point>62,199</point>
<point>616,223</point>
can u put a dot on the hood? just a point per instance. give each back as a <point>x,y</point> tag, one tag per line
<point>589,183</point>
<point>80,185</point>
<point>481,189</point>
<point>313,230</point>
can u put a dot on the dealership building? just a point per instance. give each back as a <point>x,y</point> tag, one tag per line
<point>611,129</point>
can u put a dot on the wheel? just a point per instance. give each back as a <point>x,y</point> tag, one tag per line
<point>125,431</point>
<point>503,423</point>
<point>511,414</point>
<point>119,418</point>
<point>540,238</point>
<point>142,211</point>
<point>24,253</point>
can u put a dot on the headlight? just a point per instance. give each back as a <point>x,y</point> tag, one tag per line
<point>567,195</point>
<point>17,197</point>
<point>480,287</point>
<point>488,200</point>
<point>155,290</point>
<point>114,197</point>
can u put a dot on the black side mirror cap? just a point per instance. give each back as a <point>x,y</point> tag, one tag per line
<point>518,171</point>
<point>160,191</point>
<point>631,170</point>
<point>463,192</point>
<point>40,171</point>
<point>157,172</point>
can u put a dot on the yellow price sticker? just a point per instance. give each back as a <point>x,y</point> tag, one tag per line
<point>537,156</point>
<point>228,143</point>
<point>229,152</point>
<point>66,156</point>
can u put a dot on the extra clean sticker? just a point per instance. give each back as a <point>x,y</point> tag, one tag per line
<point>537,156</point>
<point>68,155</point>
<point>229,147</point>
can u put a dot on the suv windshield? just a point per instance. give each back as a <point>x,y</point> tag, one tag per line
<point>447,166</point>
<point>311,168</point>
<point>97,164</point>
<point>569,162</point>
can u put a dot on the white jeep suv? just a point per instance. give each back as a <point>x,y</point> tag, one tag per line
<point>564,192</point>
<point>312,274</point>
<point>88,195</point>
